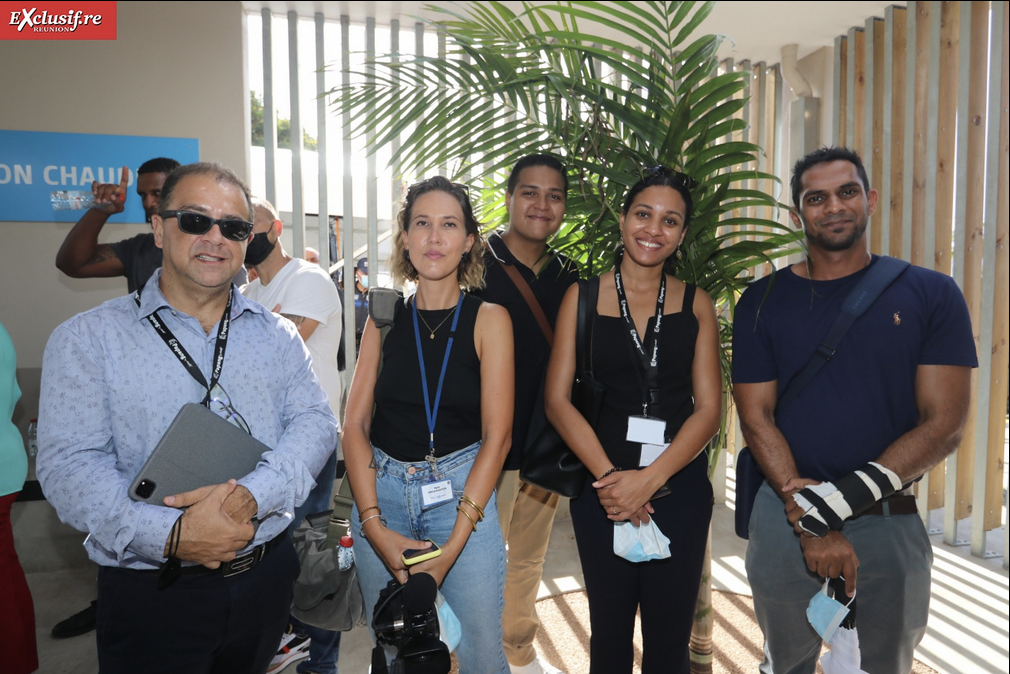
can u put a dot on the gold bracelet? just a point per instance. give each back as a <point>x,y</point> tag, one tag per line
<point>361,524</point>
<point>467,515</point>
<point>362,512</point>
<point>470,502</point>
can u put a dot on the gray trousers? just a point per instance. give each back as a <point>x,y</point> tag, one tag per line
<point>892,588</point>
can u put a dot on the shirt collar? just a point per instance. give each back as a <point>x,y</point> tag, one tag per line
<point>152,299</point>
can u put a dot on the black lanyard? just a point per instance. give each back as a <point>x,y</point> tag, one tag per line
<point>180,351</point>
<point>650,365</point>
<point>431,410</point>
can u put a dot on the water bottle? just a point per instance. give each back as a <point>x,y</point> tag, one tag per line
<point>33,437</point>
<point>71,200</point>
<point>345,553</point>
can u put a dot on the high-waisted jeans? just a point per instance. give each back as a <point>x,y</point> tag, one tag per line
<point>475,585</point>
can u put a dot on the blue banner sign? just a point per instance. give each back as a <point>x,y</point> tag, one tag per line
<point>46,177</point>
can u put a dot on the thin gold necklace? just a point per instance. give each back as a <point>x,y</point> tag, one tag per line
<point>430,330</point>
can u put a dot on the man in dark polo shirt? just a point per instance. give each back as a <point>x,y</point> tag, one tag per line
<point>535,201</point>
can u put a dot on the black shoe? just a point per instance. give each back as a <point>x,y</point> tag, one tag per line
<point>77,624</point>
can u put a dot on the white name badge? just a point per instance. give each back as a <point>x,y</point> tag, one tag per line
<point>436,493</point>
<point>650,453</point>
<point>646,430</point>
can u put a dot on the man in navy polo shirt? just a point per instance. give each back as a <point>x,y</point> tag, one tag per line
<point>889,405</point>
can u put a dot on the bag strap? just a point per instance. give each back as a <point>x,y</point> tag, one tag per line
<point>524,289</point>
<point>589,291</point>
<point>876,280</point>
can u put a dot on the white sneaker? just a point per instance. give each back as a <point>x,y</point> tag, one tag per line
<point>538,666</point>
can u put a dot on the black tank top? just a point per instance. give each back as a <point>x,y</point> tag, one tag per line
<point>400,427</point>
<point>615,367</point>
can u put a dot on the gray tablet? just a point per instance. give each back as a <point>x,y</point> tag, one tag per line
<point>199,448</point>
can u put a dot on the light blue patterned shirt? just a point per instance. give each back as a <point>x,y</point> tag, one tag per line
<point>111,387</point>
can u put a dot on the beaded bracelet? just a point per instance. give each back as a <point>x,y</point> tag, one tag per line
<point>476,508</point>
<point>610,472</point>
<point>362,512</point>
<point>473,524</point>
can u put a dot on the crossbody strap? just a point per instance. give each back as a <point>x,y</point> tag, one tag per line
<point>524,289</point>
<point>589,291</point>
<point>876,280</point>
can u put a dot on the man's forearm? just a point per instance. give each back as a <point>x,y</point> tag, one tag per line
<point>79,248</point>
<point>771,451</point>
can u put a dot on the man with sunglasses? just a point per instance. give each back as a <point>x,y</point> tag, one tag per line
<point>304,294</point>
<point>207,588</point>
<point>136,258</point>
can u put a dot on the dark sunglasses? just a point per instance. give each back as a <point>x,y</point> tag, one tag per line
<point>681,178</point>
<point>198,223</point>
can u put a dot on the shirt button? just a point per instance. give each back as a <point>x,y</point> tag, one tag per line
<point>411,470</point>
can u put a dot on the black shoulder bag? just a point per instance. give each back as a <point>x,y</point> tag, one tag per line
<point>547,461</point>
<point>877,279</point>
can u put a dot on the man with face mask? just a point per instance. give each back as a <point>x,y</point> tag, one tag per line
<point>303,293</point>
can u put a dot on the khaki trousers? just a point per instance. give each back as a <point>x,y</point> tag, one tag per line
<point>526,514</point>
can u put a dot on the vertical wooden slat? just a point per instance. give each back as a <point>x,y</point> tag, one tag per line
<point>969,224</point>
<point>840,89</point>
<point>874,123</point>
<point>946,134</point>
<point>856,98</point>
<point>993,354</point>
<point>896,147</point>
<point>920,137</point>
<point>912,21</point>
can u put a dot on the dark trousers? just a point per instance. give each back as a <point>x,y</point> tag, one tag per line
<point>201,624</point>
<point>665,590</point>
<point>17,613</point>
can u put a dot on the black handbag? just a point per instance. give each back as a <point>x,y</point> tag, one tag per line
<point>547,461</point>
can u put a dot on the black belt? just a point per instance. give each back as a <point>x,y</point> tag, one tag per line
<point>242,563</point>
<point>899,504</point>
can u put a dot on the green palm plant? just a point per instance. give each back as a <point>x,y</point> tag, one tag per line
<point>511,84</point>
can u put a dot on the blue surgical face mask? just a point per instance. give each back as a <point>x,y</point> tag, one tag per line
<point>826,614</point>
<point>450,630</point>
<point>363,281</point>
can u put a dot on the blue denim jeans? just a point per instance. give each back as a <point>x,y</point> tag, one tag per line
<point>475,586</point>
<point>324,647</point>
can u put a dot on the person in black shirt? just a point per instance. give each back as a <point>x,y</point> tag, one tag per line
<point>426,434</point>
<point>535,200</point>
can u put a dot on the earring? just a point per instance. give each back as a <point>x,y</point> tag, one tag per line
<point>465,257</point>
<point>680,254</point>
<point>406,255</point>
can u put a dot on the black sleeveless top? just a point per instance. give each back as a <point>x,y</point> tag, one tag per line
<point>618,369</point>
<point>400,427</point>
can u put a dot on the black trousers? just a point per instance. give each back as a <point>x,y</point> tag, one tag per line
<point>666,590</point>
<point>201,624</point>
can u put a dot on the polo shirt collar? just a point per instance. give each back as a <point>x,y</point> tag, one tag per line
<point>152,299</point>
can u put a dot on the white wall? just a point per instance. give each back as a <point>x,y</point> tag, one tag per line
<point>176,69</point>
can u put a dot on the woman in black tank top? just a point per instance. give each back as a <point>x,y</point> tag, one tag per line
<point>425,435</point>
<point>655,349</point>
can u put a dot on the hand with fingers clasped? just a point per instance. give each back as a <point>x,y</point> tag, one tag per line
<point>625,495</point>
<point>793,511</point>
<point>831,557</point>
<point>215,525</point>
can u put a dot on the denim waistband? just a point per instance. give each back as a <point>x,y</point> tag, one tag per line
<point>418,470</point>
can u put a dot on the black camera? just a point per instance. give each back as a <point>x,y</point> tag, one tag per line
<point>405,618</point>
